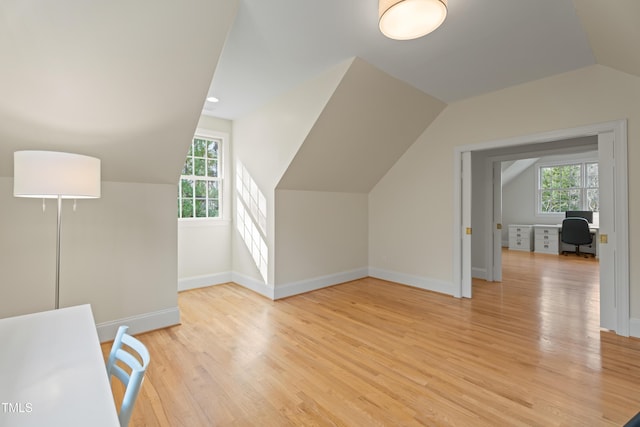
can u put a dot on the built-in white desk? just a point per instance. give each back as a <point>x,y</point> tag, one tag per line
<point>52,372</point>
<point>547,239</point>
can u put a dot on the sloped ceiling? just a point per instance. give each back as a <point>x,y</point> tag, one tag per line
<point>482,46</point>
<point>123,81</point>
<point>126,81</point>
<point>613,29</point>
<point>369,122</point>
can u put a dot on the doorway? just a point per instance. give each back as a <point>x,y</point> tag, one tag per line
<point>612,150</point>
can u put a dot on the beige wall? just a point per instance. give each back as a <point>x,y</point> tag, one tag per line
<point>319,234</point>
<point>411,208</point>
<point>118,253</point>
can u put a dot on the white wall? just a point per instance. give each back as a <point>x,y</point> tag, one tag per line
<point>411,208</point>
<point>204,253</point>
<point>118,253</point>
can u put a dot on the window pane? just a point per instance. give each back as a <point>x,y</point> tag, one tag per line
<point>546,177</point>
<point>212,168</point>
<point>213,189</point>
<point>199,147</point>
<point>576,176</point>
<point>556,201</point>
<point>569,177</point>
<point>187,187</point>
<point>187,208</point>
<point>213,208</point>
<point>560,200</point>
<point>199,167</point>
<point>212,150</point>
<point>593,202</point>
<point>188,167</point>
<point>546,201</point>
<point>574,200</point>
<point>592,175</point>
<point>201,208</point>
<point>201,188</point>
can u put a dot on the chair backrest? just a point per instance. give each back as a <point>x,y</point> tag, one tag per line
<point>575,231</point>
<point>133,375</point>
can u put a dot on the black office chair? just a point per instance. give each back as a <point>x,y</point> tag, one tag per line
<point>634,422</point>
<point>575,231</point>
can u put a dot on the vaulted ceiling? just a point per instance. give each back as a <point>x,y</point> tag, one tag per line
<point>124,81</point>
<point>482,46</point>
<point>127,81</point>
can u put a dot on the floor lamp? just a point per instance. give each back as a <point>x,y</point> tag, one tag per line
<point>55,175</point>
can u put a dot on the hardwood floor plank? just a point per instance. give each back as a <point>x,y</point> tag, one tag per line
<point>524,352</point>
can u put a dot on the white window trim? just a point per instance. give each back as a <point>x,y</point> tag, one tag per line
<point>536,183</point>
<point>225,190</point>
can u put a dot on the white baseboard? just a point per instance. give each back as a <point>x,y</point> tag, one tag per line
<point>634,327</point>
<point>253,284</point>
<point>415,281</point>
<point>479,273</point>
<point>295,288</point>
<point>139,323</point>
<point>203,281</point>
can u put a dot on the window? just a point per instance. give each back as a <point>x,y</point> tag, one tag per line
<point>201,181</point>
<point>568,187</point>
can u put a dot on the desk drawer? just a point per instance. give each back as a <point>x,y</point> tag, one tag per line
<point>521,243</point>
<point>546,232</point>
<point>547,246</point>
<point>521,237</point>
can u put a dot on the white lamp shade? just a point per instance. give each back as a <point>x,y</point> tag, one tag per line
<point>410,19</point>
<point>52,174</point>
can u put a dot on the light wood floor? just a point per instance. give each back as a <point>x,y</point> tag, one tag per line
<point>527,351</point>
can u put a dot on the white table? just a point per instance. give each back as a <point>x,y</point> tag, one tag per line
<point>52,372</point>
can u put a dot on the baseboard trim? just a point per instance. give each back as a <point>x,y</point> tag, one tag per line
<point>203,281</point>
<point>479,273</point>
<point>634,327</point>
<point>253,285</point>
<point>425,283</point>
<point>140,323</point>
<point>315,283</point>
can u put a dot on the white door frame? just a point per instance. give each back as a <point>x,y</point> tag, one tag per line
<point>462,202</point>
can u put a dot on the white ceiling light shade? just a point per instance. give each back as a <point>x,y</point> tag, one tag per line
<point>53,174</point>
<point>410,19</point>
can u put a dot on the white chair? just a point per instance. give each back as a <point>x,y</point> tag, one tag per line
<point>133,375</point>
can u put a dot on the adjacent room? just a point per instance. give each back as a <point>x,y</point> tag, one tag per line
<point>240,212</point>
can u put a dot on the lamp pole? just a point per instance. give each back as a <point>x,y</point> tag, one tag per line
<point>58,252</point>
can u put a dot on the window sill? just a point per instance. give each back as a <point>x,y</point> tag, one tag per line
<point>203,222</point>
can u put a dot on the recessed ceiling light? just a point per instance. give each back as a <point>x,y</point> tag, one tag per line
<point>212,99</point>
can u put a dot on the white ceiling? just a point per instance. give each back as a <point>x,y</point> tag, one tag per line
<point>482,46</point>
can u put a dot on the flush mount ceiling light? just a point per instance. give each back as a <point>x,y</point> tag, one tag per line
<point>212,99</point>
<point>410,19</point>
